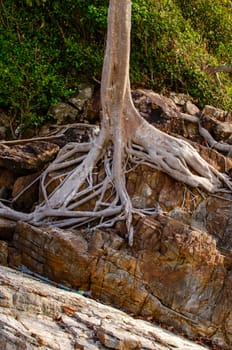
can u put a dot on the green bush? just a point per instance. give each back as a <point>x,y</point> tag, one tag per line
<point>49,47</point>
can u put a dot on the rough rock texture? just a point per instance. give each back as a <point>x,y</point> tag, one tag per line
<point>26,191</point>
<point>178,271</point>
<point>63,113</point>
<point>173,273</point>
<point>34,315</point>
<point>7,229</point>
<point>29,157</point>
<point>155,114</point>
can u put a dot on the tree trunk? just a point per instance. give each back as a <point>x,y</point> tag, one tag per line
<point>125,138</point>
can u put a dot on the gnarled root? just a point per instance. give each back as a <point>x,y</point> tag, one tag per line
<point>179,159</point>
<point>80,196</point>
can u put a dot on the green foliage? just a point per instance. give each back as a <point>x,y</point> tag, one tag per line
<point>170,53</point>
<point>49,47</point>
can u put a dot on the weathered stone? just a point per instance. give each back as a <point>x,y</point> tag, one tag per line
<point>4,119</point>
<point>79,100</point>
<point>3,253</point>
<point>34,315</point>
<point>173,274</point>
<point>190,108</point>
<point>155,115</point>
<point>214,215</point>
<point>216,159</point>
<point>28,157</point>
<point>7,178</point>
<point>7,228</point>
<point>63,113</point>
<point>221,131</point>
<point>3,132</point>
<point>26,191</point>
<point>216,113</point>
<point>179,98</point>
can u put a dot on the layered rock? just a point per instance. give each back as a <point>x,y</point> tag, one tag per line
<point>178,271</point>
<point>38,316</point>
<point>173,274</point>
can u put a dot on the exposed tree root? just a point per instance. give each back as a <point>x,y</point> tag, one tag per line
<point>171,111</point>
<point>84,198</point>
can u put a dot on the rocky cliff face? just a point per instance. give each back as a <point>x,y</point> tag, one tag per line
<point>37,316</point>
<point>173,274</point>
<point>178,272</point>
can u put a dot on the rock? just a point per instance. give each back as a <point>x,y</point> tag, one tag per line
<point>154,113</point>
<point>179,98</point>
<point>3,253</point>
<point>84,95</point>
<point>214,215</point>
<point>77,107</point>
<point>35,315</point>
<point>217,160</point>
<point>190,108</point>
<point>7,177</point>
<point>216,113</point>
<point>4,119</point>
<point>63,113</point>
<point>3,132</point>
<point>7,228</point>
<point>26,191</point>
<point>221,131</point>
<point>173,274</point>
<point>4,193</point>
<point>28,157</point>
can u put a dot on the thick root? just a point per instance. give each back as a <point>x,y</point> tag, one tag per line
<point>75,183</point>
<point>179,159</point>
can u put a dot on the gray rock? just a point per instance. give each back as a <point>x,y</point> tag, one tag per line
<point>79,100</point>
<point>191,108</point>
<point>34,315</point>
<point>3,132</point>
<point>63,113</point>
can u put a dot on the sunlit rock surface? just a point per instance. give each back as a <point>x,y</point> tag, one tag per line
<point>34,315</point>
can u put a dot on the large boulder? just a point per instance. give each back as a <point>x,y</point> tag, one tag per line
<point>28,157</point>
<point>173,274</point>
<point>34,315</point>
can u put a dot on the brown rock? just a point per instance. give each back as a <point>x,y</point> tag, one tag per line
<point>190,108</point>
<point>216,113</point>
<point>214,215</point>
<point>216,159</point>
<point>28,157</point>
<point>34,315</point>
<point>3,253</point>
<point>173,274</point>
<point>223,131</point>
<point>26,191</point>
<point>7,178</point>
<point>7,228</point>
<point>179,98</point>
<point>63,113</point>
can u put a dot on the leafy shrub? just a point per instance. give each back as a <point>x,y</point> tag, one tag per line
<point>49,47</point>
